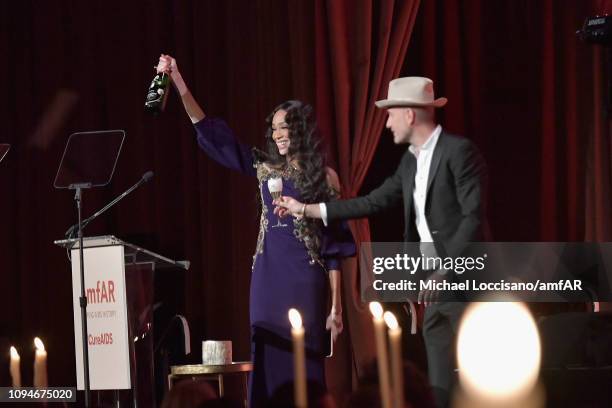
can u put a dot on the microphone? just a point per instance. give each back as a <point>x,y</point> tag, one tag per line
<point>147,176</point>
<point>73,229</point>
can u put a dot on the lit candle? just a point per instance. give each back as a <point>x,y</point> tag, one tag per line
<point>299,359</point>
<point>40,364</point>
<point>15,367</point>
<point>381,352</point>
<point>397,366</point>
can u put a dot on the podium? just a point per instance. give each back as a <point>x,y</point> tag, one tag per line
<point>119,281</point>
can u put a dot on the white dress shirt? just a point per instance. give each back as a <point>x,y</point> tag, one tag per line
<point>423,156</point>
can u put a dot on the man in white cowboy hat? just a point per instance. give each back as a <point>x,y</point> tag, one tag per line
<point>441,181</point>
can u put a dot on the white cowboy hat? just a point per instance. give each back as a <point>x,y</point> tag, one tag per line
<point>411,91</point>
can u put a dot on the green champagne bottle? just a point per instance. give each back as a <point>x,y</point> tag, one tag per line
<point>158,94</point>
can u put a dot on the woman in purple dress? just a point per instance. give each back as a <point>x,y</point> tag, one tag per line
<point>296,258</point>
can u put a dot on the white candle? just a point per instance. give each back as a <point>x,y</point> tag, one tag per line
<point>299,359</point>
<point>15,368</point>
<point>40,364</point>
<point>381,352</point>
<point>397,364</point>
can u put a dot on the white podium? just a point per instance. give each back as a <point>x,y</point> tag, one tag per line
<point>119,289</point>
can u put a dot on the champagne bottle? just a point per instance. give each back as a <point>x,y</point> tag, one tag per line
<point>158,94</point>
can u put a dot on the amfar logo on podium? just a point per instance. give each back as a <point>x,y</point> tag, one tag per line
<point>104,292</point>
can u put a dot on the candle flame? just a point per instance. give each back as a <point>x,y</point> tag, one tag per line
<point>14,353</point>
<point>295,318</point>
<point>391,321</point>
<point>376,310</point>
<point>39,344</point>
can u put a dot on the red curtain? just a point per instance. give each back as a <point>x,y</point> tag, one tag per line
<point>533,97</point>
<point>360,47</point>
<point>598,180</point>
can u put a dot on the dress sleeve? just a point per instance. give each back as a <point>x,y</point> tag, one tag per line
<point>337,239</point>
<point>220,144</point>
<point>337,242</point>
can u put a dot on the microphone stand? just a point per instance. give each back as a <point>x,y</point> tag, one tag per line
<point>146,177</point>
<point>82,299</point>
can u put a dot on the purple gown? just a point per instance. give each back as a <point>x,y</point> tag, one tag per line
<point>289,269</point>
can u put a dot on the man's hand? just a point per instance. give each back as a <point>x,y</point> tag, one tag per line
<point>430,297</point>
<point>287,205</point>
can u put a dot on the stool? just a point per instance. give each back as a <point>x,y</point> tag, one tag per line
<point>201,371</point>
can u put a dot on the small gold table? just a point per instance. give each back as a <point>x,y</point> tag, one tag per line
<point>217,372</point>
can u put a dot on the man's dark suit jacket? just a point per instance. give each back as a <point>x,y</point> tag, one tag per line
<point>454,207</point>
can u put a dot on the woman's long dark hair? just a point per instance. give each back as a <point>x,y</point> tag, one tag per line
<point>304,148</point>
